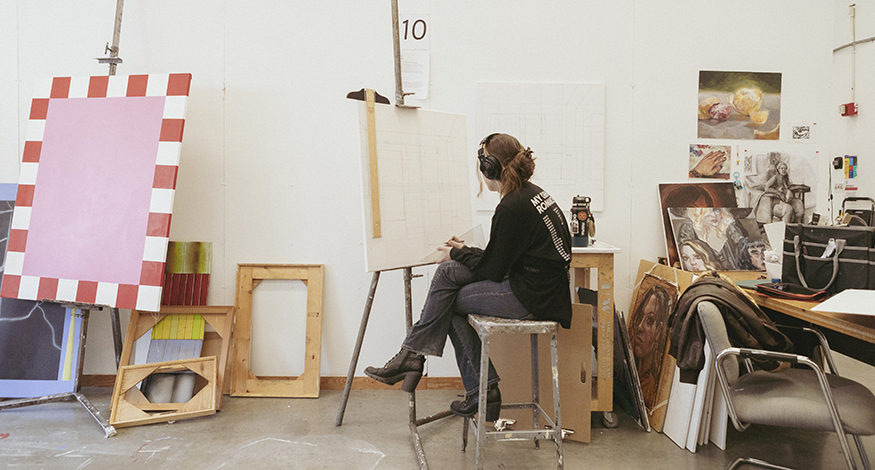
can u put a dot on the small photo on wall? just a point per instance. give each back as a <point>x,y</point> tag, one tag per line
<point>715,238</point>
<point>710,161</point>
<point>739,105</point>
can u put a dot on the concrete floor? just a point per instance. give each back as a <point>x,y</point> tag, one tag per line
<point>267,433</point>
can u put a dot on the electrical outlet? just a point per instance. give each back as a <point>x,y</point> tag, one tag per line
<point>838,187</point>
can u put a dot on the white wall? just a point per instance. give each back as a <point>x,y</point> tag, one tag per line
<point>269,168</point>
<point>853,135</point>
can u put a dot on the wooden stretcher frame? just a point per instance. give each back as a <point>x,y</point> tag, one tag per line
<point>243,382</point>
<point>130,407</point>
<point>220,317</point>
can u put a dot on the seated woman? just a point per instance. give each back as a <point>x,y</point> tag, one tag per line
<point>521,274</point>
<point>784,206</point>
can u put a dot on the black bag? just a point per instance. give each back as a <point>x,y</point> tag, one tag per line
<point>850,263</point>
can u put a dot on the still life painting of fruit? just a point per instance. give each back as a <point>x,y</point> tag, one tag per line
<point>739,105</point>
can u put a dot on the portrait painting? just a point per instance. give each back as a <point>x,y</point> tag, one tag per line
<point>710,161</point>
<point>652,303</point>
<point>698,194</point>
<point>721,239</point>
<point>779,186</point>
<point>739,105</point>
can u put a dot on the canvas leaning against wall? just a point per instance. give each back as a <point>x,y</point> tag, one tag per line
<point>739,105</point>
<point>656,292</point>
<point>718,238</point>
<point>699,194</point>
<point>98,176</point>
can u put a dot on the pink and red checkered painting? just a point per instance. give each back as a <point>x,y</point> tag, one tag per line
<point>95,194</point>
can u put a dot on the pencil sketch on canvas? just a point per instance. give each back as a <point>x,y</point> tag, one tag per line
<point>424,192</point>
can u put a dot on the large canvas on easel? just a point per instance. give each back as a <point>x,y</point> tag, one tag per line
<point>563,124</point>
<point>39,341</point>
<point>424,190</point>
<point>96,188</point>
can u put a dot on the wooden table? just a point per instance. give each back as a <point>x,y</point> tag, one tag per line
<point>849,334</point>
<point>599,256</point>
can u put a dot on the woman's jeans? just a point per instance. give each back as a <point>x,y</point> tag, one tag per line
<point>455,292</point>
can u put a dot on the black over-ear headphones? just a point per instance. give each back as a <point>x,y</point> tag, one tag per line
<point>489,165</point>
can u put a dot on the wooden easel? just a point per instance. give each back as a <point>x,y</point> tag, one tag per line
<point>413,422</point>
<point>84,311</point>
<point>371,97</point>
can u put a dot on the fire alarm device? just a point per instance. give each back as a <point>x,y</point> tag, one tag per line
<point>848,109</point>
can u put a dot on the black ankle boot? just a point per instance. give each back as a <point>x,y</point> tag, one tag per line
<point>406,365</point>
<point>469,407</point>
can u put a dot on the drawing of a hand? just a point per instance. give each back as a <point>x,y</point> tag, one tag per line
<point>710,164</point>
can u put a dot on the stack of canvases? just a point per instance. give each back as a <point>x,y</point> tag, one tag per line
<point>689,414</point>
<point>704,230</point>
<point>178,376</point>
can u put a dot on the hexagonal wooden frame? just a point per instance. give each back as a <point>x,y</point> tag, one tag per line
<point>243,382</point>
<point>131,408</point>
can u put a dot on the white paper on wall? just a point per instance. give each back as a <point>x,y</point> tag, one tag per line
<point>563,124</point>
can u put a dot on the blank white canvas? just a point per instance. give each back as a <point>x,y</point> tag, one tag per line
<point>563,124</point>
<point>849,301</point>
<point>719,418</point>
<point>698,413</point>
<point>680,410</point>
<point>424,190</point>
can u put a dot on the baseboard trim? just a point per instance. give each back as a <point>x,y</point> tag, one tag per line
<point>325,383</point>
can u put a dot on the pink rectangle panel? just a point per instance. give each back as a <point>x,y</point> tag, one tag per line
<point>93,189</point>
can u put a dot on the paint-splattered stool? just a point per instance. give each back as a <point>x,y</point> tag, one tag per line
<point>485,327</point>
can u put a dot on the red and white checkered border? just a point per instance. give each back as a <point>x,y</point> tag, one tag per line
<point>146,295</point>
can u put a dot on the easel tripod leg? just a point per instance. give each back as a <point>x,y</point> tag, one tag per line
<point>357,349</point>
<point>116,336</point>
<point>108,429</point>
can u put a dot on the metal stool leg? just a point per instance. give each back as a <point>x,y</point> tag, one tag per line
<point>465,425</point>
<point>536,396</point>
<point>557,416</point>
<point>481,407</point>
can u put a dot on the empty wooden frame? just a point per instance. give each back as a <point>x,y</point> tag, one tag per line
<point>130,407</point>
<point>243,382</point>
<point>216,343</point>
